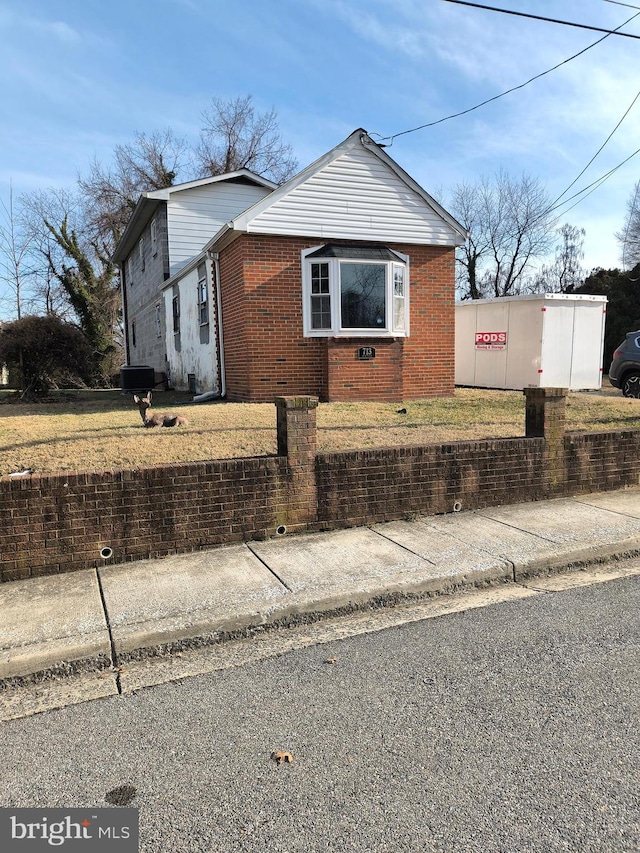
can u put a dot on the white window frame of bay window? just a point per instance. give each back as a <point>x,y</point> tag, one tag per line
<point>394,304</point>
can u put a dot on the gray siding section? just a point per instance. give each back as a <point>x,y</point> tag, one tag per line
<point>143,284</point>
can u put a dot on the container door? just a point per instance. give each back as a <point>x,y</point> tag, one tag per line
<point>491,343</point>
<point>524,344</point>
<point>588,340</point>
<point>557,344</point>
<point>465,352</point>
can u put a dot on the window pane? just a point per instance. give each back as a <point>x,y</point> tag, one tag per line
<point>176,314</point>
<point>319,278</point>
<point>362,296</point>
<point>320,312</point>
<point>398,315</point>
<point>398,281</point>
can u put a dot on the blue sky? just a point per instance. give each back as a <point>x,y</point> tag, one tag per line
<point>81,76</point>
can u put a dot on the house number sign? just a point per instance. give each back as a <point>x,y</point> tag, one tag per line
<point>365,353</point>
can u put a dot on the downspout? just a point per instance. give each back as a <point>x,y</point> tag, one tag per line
<point>215,257</point>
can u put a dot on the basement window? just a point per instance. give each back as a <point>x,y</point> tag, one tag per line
<point>355,291</point>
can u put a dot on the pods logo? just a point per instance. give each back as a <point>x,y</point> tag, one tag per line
<point>491,340</point>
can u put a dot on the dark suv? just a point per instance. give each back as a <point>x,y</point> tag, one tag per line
<point>624,372</point>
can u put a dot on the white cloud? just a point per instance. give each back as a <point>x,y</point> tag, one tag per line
<point>57,29</point>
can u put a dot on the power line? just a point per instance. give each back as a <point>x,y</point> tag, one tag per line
<point>540,18</point>
<point>502,94</point>
<point>618,3</point>
<point>594,185</point>
<point>577,178</point>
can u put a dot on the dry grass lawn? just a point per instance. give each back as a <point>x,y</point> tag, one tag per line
<point>94,430</point>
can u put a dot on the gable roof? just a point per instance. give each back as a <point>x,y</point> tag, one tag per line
<point>355,191</point>
<point>149,202</point>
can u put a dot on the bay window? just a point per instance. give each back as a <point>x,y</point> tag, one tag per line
<point>355,291</point>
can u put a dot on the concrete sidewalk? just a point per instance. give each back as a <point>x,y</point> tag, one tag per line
<point>96,618</point>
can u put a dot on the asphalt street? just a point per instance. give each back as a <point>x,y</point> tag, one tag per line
<point>508,728</point>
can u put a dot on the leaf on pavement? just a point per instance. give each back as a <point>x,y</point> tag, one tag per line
<point>282,757</point>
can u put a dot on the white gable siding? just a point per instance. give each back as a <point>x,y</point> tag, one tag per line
<point>355,197</point>
<point>195,215</point>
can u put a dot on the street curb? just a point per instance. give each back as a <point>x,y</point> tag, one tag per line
<point>299,612</point>
<point>579,559</point>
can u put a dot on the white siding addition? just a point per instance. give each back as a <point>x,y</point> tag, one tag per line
<point>194,215</point>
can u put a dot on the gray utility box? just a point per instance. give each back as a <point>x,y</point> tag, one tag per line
<point>137,379</point>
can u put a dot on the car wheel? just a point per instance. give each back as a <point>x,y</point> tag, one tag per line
<point>631,385</point>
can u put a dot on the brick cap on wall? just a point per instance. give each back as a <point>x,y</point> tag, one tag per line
<point>545,392</point>
<point>296,402</point>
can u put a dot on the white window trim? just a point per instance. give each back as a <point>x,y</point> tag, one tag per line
<point>334,292</point>
<point>203,280</point>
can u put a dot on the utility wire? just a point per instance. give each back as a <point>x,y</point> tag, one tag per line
<point>502,94</point>
<point>618,3</point>
<point>540,18</point>
<point>577,178</point>
<point>594,185</point>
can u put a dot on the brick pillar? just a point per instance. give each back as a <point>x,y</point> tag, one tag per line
<point>297,441</point>
<point>545,410</point>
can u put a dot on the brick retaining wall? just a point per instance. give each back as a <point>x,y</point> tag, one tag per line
<point>61,522</point>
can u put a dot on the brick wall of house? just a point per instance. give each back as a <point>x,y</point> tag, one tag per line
<point>264,350</point>
<point>266,354</point>
<point>429,351</point>
<point>352,378</point>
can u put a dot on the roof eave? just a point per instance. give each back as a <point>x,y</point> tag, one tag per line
<point>142,213</point>
<point>149,201</point>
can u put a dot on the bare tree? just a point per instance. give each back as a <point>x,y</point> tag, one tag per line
<point>566,273</point>
<point>510,225</point>
<point>629,237</point>
<point>47,296</point>
<point>16,263</point>
<point>471,203</point>
<point>110,193</point>
<point>235,136</point>
<point>85,272</point>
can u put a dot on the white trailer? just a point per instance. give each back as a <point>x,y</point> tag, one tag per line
<point>551,340</point>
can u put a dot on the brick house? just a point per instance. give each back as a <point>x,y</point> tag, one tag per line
<point>339,283</point>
